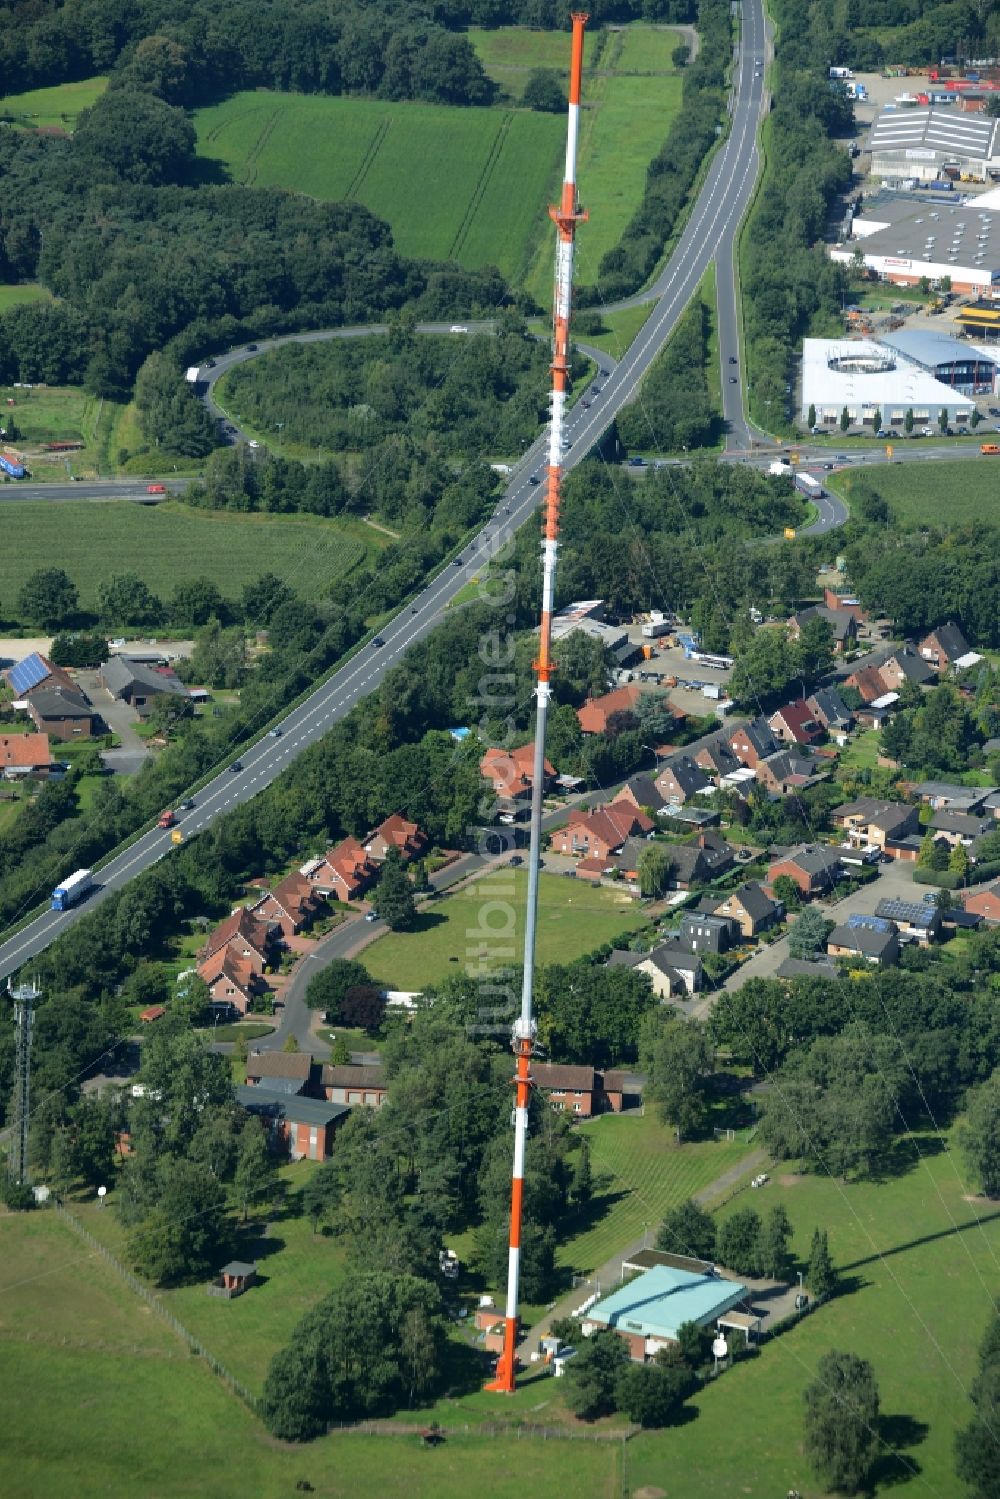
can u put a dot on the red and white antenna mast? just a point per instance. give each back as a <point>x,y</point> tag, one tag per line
<point>566,217</point>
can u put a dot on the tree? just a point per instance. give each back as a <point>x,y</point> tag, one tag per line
<point>977,1446</point>
<point>809,933</point>
<point>908,421</point>
<point>340,1053</point>
<point>678,1059</point>
<point>979,1137</point>
<point>877,419</point>
<point>47,598</point>
<point>591,1377</point>
<point>254,1177</point>
<point>786,890</point>
<point>976,416</point>
<point>133,136</point>
<point>841,1421</point>
<point>656,867</point>
<point>362,1008</point>
<point>544,91</point>
<point>738,1241</point>
<point>394,895</point>
<point>773,1258</point>
<point>181,1237</point>
<point>79,649</point>
<point>680,55</point>
<point>821,1278</point>
<point>581,1186</point>
<point>326,989</point>
<point>925,854</point>
<point>125,599</point>
<point>650,1394</point>
<point>958,862</point>
<point>322,1193</point>
<point>845,419</point>
<point>811,417</point>
<point>943,419</point>
<point>196,601</point>
<point>688,1229</point>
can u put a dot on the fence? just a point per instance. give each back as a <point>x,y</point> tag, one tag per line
<point>153,1301</point>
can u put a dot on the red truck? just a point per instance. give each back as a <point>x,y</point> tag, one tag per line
<point>166,820</point>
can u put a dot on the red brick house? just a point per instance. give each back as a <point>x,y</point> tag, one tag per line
<point>574,1090</point>
<point>944,646</point>
<point>345,872</point>
<point>986,904</point>
<point>596,711</point>
<point>354,1085</point>
<point>405,837</point>
<point>231,979</point>
<point>601,832</point>
<point>814,867</point>
<point>680,779</point>
<point>290,906</point>
<point>868,681</point>
<point>24,755</point>
<point>753,742</point>
<point>509,772</point>
<point>246,936</point>
<point>304,1126</point>
<point>751,907</point>
<point>63,713</point>
<point>795,724</point>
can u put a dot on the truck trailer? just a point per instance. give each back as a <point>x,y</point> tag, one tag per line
<point>70,891</point>
<point>810,487</point>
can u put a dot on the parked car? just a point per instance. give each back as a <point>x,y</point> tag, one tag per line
<point>371,916</point>
<point>516,860</point>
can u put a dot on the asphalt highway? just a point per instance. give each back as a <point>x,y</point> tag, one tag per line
<point>720,206</point>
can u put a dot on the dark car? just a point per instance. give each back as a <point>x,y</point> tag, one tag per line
<point>597,390</point>
<point>585,405</point>
<point>516,860</point>
<point>414,609</point>
<point>378,641</point>
<point>733,380</point>
<point>732,359</point>
<point>534,479</point>
<point>210,364</point>
<point>251,348</point>
<point>186,805</point>
<point>274,733</point>
<point>457,562</point>
<point>236,765</point>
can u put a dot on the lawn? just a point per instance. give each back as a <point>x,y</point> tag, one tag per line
<point>482,927</point>
<point>642,1173</point>
<point>57,106</point>
<point>932,492</point>
<point>169,543</point>
<point>53,413</point>
<point>17,296</point>
<point>862,752</point>
<point>923,1271</point>
<point>465,184</point>
<point>104,1399</point>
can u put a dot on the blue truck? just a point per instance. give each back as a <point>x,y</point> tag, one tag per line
<point>11,466</point>
<point>70,891</point>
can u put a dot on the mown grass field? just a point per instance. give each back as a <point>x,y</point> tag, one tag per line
<point>642,1173</point>
<point>934,493</point>
<point>923,1264</point>
<point>17,296</point>
<point>170,543</point>
<point>482,927</point>
<point>58,106</point>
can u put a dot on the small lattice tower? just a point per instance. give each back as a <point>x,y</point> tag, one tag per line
<point>24,997</point>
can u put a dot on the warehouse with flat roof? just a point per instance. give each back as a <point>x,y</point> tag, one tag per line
<point>876,384</point>
<point>906,241</point>
<point>921,142</point>
<point>952,361</point>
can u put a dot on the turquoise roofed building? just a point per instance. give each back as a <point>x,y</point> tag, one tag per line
<point>648,1311</point>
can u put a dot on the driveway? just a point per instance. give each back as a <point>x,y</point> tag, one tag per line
<point>121,720</point>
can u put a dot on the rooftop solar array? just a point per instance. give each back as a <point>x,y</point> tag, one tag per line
<point>918,912</point>
<point>871,923</point>
<point>28,673</point>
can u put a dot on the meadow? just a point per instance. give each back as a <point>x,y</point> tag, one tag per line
<point>929,493</point>
<point>461,929</point>
<point>57,106</point>
<point>170,543</point>
<point>17,296</point>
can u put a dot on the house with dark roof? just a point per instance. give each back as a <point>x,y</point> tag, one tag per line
<point>750,907</point>
<point>843,625</point>
<point>673,970</point>
<point>944,646</point>
<point>702,860</point>
<point>705,933</point>
<point>867,680</point>
<point>916,920</point>
<point>787,770</point>
<point>25,757</point>
<point>814,867</point>
<point>806,968</point>
<point>643,792</point>
<point>948,795</point>
<point>828,708</point>
<point>305,1127</point>
<point>876,945</point>
<point>280,1071</point>
<point>680,778</point>
<point>353,1085</point>
<point>64,713</point>
<point>960,827</point>
<point>139,685</point>
<point>753,742</point>
<point>716,759</point>
<point>35,671</point>
<point>871,821</point>
<point>570,1089</point>
<point>904,665</point>
<point>795,723</point>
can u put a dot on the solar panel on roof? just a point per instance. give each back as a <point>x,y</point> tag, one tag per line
<point>871,923</point>
<point>28,673</point>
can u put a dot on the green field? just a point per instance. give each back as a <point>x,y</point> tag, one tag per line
<point>58,106</point>
<point>924,1272</point>
<point>950,492</point>
<point>573,919</point>
<point>643,1173</point>
<point>17,296</point>
<point>169,543</point>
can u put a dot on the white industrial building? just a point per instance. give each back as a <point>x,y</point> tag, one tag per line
<point>920,143</point>
<point>903,239</point>
<point>870,379</point>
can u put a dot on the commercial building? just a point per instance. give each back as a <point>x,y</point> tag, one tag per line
<point>920,143</point>
<point>874,381</point>
<point>647,1312</point>
<point>903,238</point>
<point>951,361</point>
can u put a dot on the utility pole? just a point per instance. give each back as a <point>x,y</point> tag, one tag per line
<point>565,216</point>
<point>24,997</point>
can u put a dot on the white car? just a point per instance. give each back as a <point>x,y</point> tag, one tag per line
<point>253,443</point>
<point>458,328</point>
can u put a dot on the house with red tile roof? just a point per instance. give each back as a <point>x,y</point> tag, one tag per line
<point>291,906</point>
<point>247,936</point>
<point>596,711</point>
<point>869,682</point>
<point>510,772</point>
<point>396,832</point>
<point>795,723</point>
<point>233,983</point>
<point>345,872</point>
<point>986,903</point>
<point>598,833</point>
<point>23,755</point>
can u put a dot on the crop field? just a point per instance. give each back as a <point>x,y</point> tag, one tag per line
<point>169,543</point>
<point>933,493</point>
<point>58,106</point>
<point>640,1173</point>
<point>920,1259</point>
<point>464,184</point>
<point>463,930</point>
